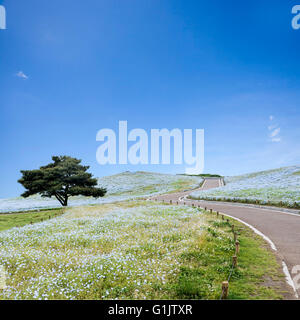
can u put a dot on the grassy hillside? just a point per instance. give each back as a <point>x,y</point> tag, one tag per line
<point>123,186</point>
<point>11,220</point>
<point>135,250</point>
<point>279,187</point>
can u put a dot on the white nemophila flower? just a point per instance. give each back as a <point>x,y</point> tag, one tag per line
<point>66,259</point>
<point>268,187</point>
<point>120,187</point>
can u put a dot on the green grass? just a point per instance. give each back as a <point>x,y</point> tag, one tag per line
<point>209,263</point>
<point>174,186</point>
<point>273,203</point>
<point>204,175</point>
<point>20,219</point>
<point>209,175</point>
<point>133,250</point>
<point>180,185</point>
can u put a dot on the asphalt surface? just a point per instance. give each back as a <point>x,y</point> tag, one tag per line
<point>282,228</point>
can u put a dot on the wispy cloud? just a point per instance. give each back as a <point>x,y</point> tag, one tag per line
<point>271,127</point>
<point>275,133</point>
<point>274,130</point>
<point>22,75</point>
<point>276,139</point>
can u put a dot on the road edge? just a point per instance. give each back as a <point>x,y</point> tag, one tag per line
<point>285,270</point>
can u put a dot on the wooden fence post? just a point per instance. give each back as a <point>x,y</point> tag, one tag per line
<point>237,247</point>
<point>235,236</point>
<point>225,288</point>
<point>234,261</point>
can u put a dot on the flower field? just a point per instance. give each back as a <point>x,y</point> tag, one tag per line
<point>133,250</point>
<point>273,187</point>
<point>123,186</point>
<point>98,252</point>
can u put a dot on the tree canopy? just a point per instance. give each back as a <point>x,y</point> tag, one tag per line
<point>62,178</point>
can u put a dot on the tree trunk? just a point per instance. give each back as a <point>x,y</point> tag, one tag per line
<point>63,201</point>
<point>65,204</point>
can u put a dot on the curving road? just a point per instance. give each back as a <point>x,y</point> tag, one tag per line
<point>282,229</point>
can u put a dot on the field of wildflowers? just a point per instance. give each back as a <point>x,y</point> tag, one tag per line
<point>123,186</point>
<point>128,250</point>
<point>103,252</point>
<point>280,187</point>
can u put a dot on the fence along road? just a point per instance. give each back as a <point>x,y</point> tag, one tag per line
<point>282,228</point>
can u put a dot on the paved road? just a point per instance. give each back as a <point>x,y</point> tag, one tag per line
<point>282,228</point>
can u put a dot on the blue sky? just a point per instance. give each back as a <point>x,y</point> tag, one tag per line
<point>70,68</point>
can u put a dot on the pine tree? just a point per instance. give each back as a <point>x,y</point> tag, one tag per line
<point>62,178</point>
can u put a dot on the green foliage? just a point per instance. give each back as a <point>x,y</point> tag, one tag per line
<point>204,175</point>
<point>208,175</point>
<point>62,178</point>
<point>204,267</point>
<point>20,219</point>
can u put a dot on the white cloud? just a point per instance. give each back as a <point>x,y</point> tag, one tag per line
<point>22,75</point>
<point>276,139</point>
<point>275,132</point>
